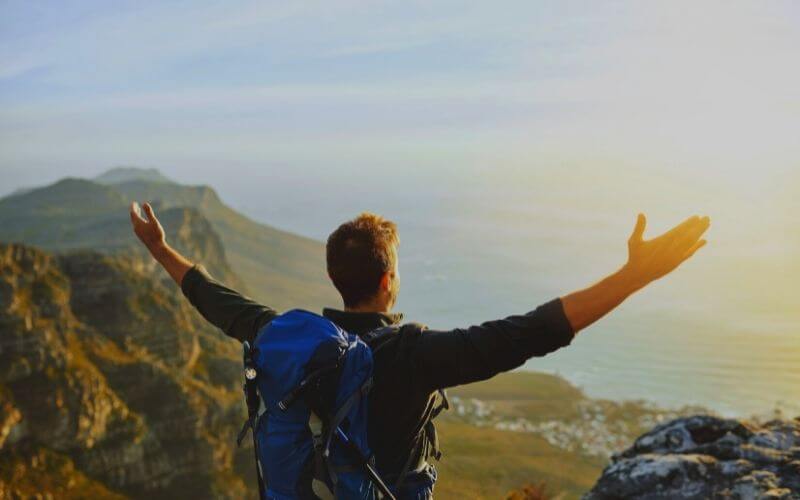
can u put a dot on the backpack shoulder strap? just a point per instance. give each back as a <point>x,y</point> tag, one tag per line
<point>376,339</point>
<point>430,428</point>
<point>415,326</point>
<point>373,336</point>
<point>427,433</point>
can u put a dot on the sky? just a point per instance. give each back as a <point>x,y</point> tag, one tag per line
<point>524,134</point>
<point>431,90</point>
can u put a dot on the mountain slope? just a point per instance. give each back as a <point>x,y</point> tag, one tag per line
<point>278,268</point>
<point>109,379</point>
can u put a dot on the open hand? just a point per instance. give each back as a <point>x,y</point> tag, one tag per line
<point>149,230</point>
<point>651,259</point>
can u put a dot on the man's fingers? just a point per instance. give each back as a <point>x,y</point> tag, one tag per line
<point>679,231</point>
<point>700,228</point>
<point>136,218</point>
<point>692,233</point>
<point>638,230</point>
<point>683,226</point>
<point>151,216</point>
<point>697,246</point>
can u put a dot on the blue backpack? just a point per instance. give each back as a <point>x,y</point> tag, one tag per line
<point>306,385</point>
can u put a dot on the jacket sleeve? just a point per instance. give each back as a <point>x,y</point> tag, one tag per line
<point>448,358</point>
<point>233,313</point>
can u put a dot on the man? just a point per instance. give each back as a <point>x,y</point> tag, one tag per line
<point>415,362</point>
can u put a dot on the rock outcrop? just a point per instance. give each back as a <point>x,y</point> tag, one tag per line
<point>111,384</point>
<point>705,457</point>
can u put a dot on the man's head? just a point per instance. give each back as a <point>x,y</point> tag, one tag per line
<point>362,263</point>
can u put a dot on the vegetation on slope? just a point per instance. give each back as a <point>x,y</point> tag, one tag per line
<point>481,462</point>
<point>279,268</point>
<point>529,428</point>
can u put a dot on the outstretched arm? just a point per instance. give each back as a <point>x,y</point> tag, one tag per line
<point>648,260</point>
<point>461,356</point>
<point>236,315</point>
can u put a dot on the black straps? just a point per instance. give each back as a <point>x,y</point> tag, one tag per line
<point>407,466</point>
<point>376,339</point>
<point>321,480</point>
<point>359,458</point>
<point>352,448</point>
<point>250,388</point>
<point>340,414</point>
<point>430,428</point>
<point>324,431</point>
<point>444,405</point>
<point>427,433</point>
<point>304,384</point>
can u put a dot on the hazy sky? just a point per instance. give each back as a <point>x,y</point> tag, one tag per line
<point>514,132</point>
<point>204,90</point>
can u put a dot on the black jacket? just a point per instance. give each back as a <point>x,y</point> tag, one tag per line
<point>414,364</point>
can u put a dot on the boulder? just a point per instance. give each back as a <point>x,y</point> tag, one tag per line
<point>704,457</point>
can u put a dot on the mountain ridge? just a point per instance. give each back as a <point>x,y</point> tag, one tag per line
<point>119,174</point>
<point>278,268</point>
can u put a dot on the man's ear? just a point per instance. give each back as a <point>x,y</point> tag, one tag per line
<point>386,281</point>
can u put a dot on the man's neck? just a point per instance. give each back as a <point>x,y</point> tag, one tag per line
<point>361,309</point>
<point>360,322</point>
<point>371,307</point>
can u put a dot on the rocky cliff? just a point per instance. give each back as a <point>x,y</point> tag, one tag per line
<point>705,457</point>
<point>110,384</point>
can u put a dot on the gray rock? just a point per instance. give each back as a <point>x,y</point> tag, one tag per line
<point>707,457</point>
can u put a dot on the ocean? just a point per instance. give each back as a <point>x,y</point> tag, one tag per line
<point>722,331</point>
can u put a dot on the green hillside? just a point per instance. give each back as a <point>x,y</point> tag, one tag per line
<point>485,463</point>
<point>279,268</point>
